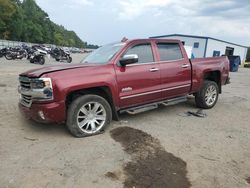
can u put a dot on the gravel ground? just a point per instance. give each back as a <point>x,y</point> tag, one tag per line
<point>215,150</point>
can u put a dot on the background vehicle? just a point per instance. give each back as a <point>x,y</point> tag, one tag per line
<point>3,52</point>
<point>61,55</point>
<point>75,50</point>
<point>247,63</point>
<point>131,76</point>
<point>36,55</point>
<point>15,53</point>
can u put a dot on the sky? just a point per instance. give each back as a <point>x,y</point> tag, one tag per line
<point>101,22</point>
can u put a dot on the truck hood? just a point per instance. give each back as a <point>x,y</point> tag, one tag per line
<point>35,73</point>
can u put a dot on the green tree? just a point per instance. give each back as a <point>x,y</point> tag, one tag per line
<point>58,39</point>
<point>26,21</point>
<point>7,10</point>
<point>16,25</point>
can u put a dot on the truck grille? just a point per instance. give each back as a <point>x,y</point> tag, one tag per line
<point>26,100</point>
<point>25,83</point>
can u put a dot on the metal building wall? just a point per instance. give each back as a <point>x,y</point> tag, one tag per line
<point>214,45</point>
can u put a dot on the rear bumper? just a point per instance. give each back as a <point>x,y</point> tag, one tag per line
<point>45,113</point>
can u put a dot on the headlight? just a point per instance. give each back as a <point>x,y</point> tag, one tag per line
<point>41,83</point>
<point>42,89</point>
<point>35,89</point>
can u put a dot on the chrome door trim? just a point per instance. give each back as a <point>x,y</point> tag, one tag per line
<point>156,91</point>
<point>141,94</point>
<point>176,87</point>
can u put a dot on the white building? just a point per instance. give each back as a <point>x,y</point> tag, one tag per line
<point>209,47</point>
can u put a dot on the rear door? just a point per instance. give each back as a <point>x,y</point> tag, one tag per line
<point>175,70</point>
<point>139,83</point>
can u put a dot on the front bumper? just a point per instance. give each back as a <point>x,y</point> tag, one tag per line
<point>45,113</point>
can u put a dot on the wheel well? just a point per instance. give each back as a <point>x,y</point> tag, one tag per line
<point>214,76</point>
<point>100,91</point>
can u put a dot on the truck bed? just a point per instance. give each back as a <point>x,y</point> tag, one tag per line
<point>202,65</point>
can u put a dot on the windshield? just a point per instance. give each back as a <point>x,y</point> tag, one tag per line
<point>103,54</point>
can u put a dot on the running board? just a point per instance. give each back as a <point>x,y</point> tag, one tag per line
<point>174,101</point>
<point>141,109</point>
<point>152,106</point>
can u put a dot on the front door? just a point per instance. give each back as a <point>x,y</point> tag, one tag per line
<point>139,83</point>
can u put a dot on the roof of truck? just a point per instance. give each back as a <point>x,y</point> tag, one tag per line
<point>151,39</point>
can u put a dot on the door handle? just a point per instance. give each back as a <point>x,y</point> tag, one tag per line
<point>153,69</point>
<point>185,66</point>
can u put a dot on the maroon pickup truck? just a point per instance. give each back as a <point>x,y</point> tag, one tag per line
<point>129,76</point>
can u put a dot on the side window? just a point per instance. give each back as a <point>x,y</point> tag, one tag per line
<point>216,53</point>
<point>144,52</point>
<point>196,45</point>
<point>169,51</point>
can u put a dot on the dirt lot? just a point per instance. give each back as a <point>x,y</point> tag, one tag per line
<point>160,148</point>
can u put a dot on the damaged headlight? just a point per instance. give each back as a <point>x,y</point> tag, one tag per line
<point>42,89</point>
<point>35,89</point>
<point>41,83</point>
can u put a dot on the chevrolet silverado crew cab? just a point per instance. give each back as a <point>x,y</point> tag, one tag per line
<point>129,76</point>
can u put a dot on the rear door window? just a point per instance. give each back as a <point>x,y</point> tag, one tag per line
<point>169,51</point>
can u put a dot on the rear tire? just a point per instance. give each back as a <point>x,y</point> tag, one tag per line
<point>88,115</point>
<point>8,57</point>
<point>69,59</point>
<point>208,95</point>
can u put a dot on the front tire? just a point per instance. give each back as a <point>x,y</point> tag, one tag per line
<point>88,115</point>
<point>8,56</point>
<point>208,95</point>
<point>41,60</point>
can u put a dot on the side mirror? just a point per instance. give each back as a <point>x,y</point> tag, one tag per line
<point>129,59</point>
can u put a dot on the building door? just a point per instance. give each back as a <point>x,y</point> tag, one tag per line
<point>229,51</point>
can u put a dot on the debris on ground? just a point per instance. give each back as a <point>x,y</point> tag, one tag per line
<point>113,176</point>
<point>207,158</point>
<point>248,180</point>
<point>200,113</point>
<point>31,139</point>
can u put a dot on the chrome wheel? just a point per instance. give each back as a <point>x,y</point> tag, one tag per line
<point>211,95</point>
<point>91,117</point>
